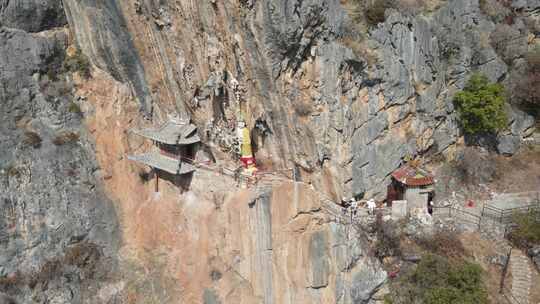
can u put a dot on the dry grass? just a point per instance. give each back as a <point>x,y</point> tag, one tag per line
<point>32,139</point>
<point>66,137</point>
<point>13,171</point>
<point>84,256</point>
<point>302,109</point>
<point>443,243</point>
<point>74,108</point>
<point>362,50</point>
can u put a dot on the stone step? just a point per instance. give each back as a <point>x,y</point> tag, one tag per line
<point>521,276</point>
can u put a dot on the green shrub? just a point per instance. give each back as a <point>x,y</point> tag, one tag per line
<point>77,63</point>
<point>439,280</point>
<point>480,106</point>
<point>527,230</point>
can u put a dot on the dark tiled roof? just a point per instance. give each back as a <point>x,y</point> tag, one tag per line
<point>171,133</point>
<point>413,176</point>
<point>162,162</point>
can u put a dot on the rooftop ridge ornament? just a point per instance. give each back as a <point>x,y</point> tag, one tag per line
<point>176,119</point>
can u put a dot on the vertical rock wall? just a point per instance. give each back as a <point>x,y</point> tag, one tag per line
<point>57,228</point>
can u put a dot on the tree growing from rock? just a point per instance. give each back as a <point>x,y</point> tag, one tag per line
<point>481,106</point>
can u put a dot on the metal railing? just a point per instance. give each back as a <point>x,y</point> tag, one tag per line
<point>509,296</point>
<point>460,214</point>
<point>504,216</point>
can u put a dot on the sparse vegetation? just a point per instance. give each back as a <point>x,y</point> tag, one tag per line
<point>481,105</point>
<point>388,239</point>
<point>66,137</point>
<point>508,42</point>
<point>527,230</point>
<point>74,108</point>
<point>55,89</point>
<point>443,243</point>
<point>448,49</point>
<point>79,63</point>
<point>13,171</point>
<point>525,86</point>
<point>32,139</point>
<point>84,256</point>
<point>497,10</point>
<point>375,13</point>
<point>302,108</point>
<point>361,49</point>
<point>371,13</point>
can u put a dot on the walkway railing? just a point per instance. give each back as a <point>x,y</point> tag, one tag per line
<point>504,216</point>
<point>460,214</point>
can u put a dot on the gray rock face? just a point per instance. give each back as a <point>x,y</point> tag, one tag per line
<point>320,269</point>
<point>32,15</point>
<point>365,283</point>
<point>534,253</point>
<point>210,297</point>
<point>292,28</point>
<point>102,35</point>
<point>52,213</point>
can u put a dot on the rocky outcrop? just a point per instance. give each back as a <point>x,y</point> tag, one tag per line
<point>57,228</point>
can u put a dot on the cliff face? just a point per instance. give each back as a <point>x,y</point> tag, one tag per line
<point>57,228</point>
<point>314,100</point>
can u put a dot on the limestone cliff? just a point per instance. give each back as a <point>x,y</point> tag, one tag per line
<point>315,101</point>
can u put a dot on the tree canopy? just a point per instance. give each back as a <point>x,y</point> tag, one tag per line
<point>480,106</point>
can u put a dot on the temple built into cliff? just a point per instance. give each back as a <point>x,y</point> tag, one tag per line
<point>175,143</point>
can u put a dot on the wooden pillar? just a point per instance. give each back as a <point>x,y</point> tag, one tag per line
<point>157,182</point>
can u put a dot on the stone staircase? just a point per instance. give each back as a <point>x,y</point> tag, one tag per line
<point>521,277</point>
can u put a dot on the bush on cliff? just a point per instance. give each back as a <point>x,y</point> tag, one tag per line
<point>480,106</point>
<point>439,280</point>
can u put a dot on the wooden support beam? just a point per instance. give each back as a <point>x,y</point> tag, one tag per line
<point>157,182</point>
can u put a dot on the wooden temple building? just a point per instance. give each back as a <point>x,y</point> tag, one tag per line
<point>414,185</point>
<point>175,146</point>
